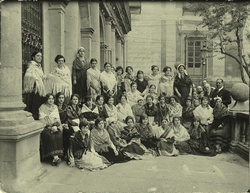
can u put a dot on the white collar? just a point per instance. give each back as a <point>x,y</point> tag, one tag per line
<point>220,89</point>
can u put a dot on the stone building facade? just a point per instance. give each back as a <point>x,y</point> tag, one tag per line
<point>53,27</point>
<point>165,33</point>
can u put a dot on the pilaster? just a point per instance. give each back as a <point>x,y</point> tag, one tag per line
<point>113,41</point>
<point>119,51</point>
<point>86,40</point>
<point>19,132</point>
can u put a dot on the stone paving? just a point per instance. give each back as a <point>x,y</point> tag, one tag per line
<point>225,172</point>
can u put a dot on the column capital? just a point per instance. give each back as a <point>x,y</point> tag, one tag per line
<point>58,6</point>
<point>88,30</point>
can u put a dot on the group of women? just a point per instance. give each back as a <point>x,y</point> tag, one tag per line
<point>114,118</point>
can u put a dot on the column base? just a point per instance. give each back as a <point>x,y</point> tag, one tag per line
<point>19,149</point>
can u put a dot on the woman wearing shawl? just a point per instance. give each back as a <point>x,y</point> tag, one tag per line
<point>180,135</point>
<point>33,85</point>
<point>51,137</point>
<point>167,82</point>
<point>128,78</point>
<point>138,109</point>
<point>199,142</point>
<point>220,130</point>
<point>123,109</point>
<point>175,109</point>
<point>205,112</point>
<point>62,108</point>
<point>101,143</point>
<point>134,148</point>
<point>152,91</point>
<point>154,77</point>
<point>147,137</point>
<point>182,84</point>
<point>133,95</point>
<point>93,79</point>
<point>151,110</point>
<point>163,111</point>
<point>79,74</point>
<point>108,82</point>
<point>142,83</point>
<point>166,141</point>
<point>73,113</point>
<point>59,80</point>
<point>187,113</point>
<point>101,108</point>
<point>79,153</point>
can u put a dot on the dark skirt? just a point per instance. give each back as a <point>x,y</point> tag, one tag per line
<point>111,157</point>
<point>134,148</point>
<point>198,148</point>
<point>183,147</point>
<point>51,143</point>
<point>33,101</point>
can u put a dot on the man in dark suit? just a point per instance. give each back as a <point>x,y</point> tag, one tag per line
<point>221,92</point>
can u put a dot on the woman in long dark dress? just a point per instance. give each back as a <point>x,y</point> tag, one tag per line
<point>199,142</point>
<point>220,129</point>
<point>79,74</point>
<point>182,84</point>
<point>51,137</point>
<point>33,85</point>
<point>62,108</point>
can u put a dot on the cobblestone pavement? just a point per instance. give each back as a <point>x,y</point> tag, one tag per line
<point>225,172</point>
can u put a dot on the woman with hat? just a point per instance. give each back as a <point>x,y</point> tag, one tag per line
<point>79,73</point>
<point>220,131</point>
<point>167,82</point>
<point>138,109</point>
<point>182,84</point>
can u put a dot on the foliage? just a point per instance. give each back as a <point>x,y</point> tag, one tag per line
<point>226,22</point>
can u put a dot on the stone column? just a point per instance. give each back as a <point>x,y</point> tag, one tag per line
<point>108,39</point>
<point>122,54</point>
<point>119,52</point>
<point>86,40</point>
<point>113,38</point>
<point>95,21</point>
<point>56,29</point>
<point>19,132</point>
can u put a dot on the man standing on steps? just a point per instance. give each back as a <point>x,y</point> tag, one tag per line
<point>221,92</point>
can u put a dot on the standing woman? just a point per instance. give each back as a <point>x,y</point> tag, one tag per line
<point>93,79</point>
<point>34,88</point>
<point>120,82</point>
<point>59,80</point>
<point>182,84</point>
<point>51,136</point>
<point>154,77</point>
<point>79,73</point>
<point>142,83</point>
<point>128,78</point>
<point>167,82</point>
<point>108,82</point>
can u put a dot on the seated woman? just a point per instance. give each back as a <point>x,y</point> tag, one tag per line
<point>187,113</point>
<point>220,130</point>
<point>101,108</point>
<point>112,112</point>
<point>163,111</point>
<point>166,141</point>
<point>138,109</point>
<point>134,149</point>
<point>151,110</point>
<point>51,137</point>
<point>199,142</point>
<point>180,135</point>
<point>89,111</point>
<point>73,113</point>
<point>175,109</point>
<point>205,112</point>
<point>148,139</point>
<point>142,83</point>
<point>133,95</point>
<point>101,143</point>
<point>62,108</point>
<point>79,151</point>
<point>152,91</point>
<point>123,109</point>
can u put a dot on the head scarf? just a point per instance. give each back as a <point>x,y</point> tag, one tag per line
<point>185,72</point>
